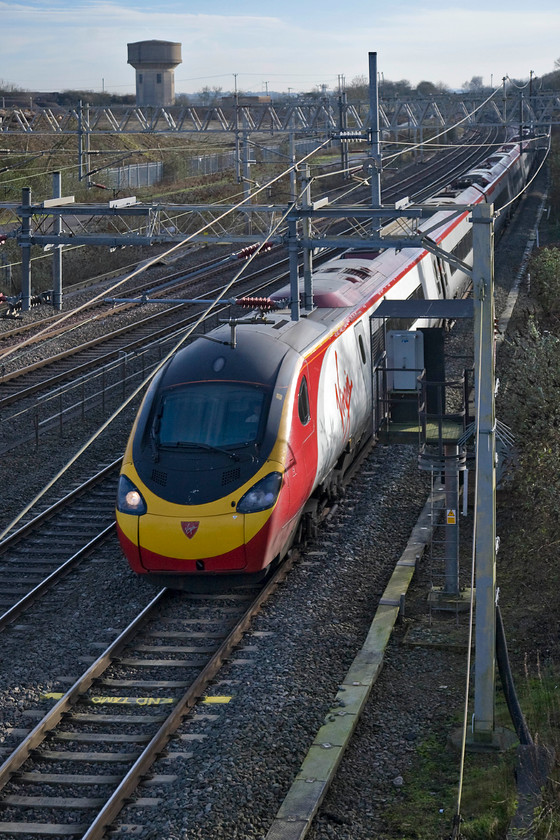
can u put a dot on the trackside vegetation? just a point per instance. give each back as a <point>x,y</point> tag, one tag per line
<point>528,513</point>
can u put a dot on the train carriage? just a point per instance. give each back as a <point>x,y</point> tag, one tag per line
<point>234,448</point>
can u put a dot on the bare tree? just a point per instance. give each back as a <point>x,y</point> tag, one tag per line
<point>475,84</point>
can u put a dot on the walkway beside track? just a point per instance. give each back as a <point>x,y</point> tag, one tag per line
<point>319,767</point>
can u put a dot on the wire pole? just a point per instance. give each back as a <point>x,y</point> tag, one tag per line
<point>485,532</point>
<point>375,146</point>
<point>25,244</point>
<point>57,251</point>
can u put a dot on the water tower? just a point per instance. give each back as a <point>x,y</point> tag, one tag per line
<point>155,63</point>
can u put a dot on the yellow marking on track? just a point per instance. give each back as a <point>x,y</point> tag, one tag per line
<point>134,701</point>
<point>116,701</point>
<point>131,701</point>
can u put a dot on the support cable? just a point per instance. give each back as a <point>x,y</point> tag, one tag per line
<point>148,379</point>
<point>528,184</point>
<point>508,686</point>
<point>441,133</point>
<point>141,269</point>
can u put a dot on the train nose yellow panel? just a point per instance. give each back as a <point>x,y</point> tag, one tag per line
<point>193,539</point>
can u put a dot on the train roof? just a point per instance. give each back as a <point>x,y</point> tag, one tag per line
<point>356,279</point>
<point>260,350</point>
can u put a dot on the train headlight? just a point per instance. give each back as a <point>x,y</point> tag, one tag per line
<point>262,495</point>
<point>129,498</point>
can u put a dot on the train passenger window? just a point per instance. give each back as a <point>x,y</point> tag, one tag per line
<point>362,348</point>
<point>303,402</point>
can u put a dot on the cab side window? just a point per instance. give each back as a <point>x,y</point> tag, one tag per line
<point>303,402</point>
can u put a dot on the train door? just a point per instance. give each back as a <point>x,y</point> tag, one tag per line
<point>366,384</point>
<point>302,450</point>
<point>361,342</point>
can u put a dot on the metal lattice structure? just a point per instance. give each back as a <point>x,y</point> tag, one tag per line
<point>302,117</point>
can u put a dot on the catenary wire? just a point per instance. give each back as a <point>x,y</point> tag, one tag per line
<point>171,250</point>
<point>148,379</point>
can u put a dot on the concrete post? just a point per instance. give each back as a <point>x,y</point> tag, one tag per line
<point>375,146</point>
<point>307,252</point>
<point>57,252</point>
<point>485,536</point>
<point>25,243</point>
<point>293,263</point>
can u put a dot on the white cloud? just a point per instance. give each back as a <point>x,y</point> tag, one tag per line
<point>49,47</point>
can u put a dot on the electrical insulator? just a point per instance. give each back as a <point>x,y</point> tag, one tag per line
<point>262,303</point>
<point>250,249</point>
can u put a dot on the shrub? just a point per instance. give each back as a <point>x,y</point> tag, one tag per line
<point>545,275</point>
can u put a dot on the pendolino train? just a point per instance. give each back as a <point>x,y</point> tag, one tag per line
<point>236,448</point>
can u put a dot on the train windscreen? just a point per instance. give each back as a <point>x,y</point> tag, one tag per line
<point>209,415</point>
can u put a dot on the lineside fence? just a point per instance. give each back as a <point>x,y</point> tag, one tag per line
<point>150,173</point>
<point>135,175</point>
<point>91,397</point>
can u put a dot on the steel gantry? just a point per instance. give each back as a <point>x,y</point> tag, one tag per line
<point>59,221</point>
<point>328,114</point>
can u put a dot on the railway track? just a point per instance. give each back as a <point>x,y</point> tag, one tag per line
<point>22,783</point>
<point>21,383</point>
<point>72,772</point>
<point>175,279</point>
<point>52,544</point>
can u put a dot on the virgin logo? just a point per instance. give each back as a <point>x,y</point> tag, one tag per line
<point>190,528</point>
<point>343,392</point>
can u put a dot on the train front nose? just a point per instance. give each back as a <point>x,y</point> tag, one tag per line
<point>192,543</point>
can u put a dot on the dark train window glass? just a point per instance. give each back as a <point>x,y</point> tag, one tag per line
<point>362,348</point>
<point>463,248</point>
<point>303,402</point>
<point>208,414</point>
<point>377,339</point>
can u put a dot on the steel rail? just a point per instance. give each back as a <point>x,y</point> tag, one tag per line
<point>52,579</point>
<point>158,741</point>
<point>130,782</point>
<point>470,151</point>
<point>78,369</point>
<point>49,512</point>
<point>47,583</point>
<point>82,684</point>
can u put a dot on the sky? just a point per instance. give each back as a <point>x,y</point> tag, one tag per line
<point>293,45</point>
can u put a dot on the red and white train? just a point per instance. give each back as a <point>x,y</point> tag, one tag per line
<point>234,448</point>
